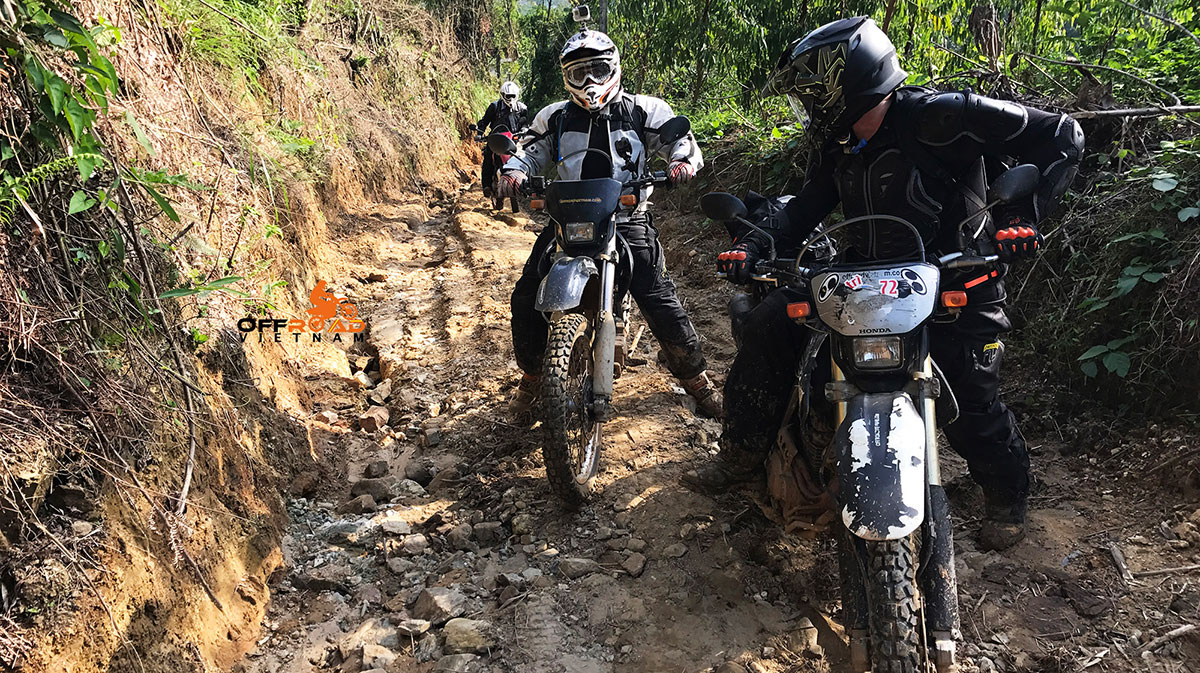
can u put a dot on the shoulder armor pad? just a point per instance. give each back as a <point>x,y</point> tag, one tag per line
<point>943,118</point>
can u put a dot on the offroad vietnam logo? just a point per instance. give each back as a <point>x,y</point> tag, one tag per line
<point>329,318</point>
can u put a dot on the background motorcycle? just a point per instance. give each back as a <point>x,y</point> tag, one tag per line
<point>581,295</point>
<point>880,468</point>
<point>498,162</point>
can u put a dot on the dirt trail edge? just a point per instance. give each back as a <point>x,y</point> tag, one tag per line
<point>434,544</point>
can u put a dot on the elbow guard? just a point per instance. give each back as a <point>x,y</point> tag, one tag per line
<point>1057,177</point>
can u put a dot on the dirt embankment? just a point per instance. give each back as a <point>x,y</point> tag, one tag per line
<point>435,544</point>
<point>102,574</point>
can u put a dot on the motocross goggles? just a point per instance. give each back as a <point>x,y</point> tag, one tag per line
<point>595,70</point>
<point>510,97</point>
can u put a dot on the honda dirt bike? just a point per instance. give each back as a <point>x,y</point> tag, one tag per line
<point>497,201</point>
<point>584,297</point>
<point>872,458</point>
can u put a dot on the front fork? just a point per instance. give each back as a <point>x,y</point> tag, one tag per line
<point>937,578</point>
<point>938,582</point>
<point>604,343</point>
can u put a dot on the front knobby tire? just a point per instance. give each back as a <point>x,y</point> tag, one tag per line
<point>894,614</point>
<point>571,449</point>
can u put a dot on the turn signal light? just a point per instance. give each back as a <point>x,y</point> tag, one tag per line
<point>799,310</point>
<point>954,299</point>
<point>629,200</point>
<point>537,204</point>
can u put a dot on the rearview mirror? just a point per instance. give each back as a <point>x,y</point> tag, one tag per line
<point>1015,184</point>
<point>722,206</point>
<point>499,143</point>
<point>674,129</point>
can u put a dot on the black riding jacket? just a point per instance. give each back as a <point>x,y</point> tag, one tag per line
<point>928,163</point>
<point>500,114</point>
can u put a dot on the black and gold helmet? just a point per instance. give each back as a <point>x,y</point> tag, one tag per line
<point>835,74</point>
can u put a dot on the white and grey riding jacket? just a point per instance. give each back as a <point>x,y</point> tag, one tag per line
<point>629,124</point>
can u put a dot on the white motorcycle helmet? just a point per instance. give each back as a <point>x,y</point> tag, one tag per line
<point>591,66</point>
<point>509,91</point>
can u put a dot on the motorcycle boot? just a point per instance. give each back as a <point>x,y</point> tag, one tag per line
<point>731,470</point>
<point>708,398</point>
<point>525,395</point>
<point>1004,519</point>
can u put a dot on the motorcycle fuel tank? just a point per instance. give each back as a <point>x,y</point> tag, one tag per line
<point>874,300</point>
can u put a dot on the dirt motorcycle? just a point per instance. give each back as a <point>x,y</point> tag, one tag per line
<point>585,297</point>
<point>497,201</point>
<point>871,461</point>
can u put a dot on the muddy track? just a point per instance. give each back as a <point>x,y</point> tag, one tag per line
<point>649,576</point>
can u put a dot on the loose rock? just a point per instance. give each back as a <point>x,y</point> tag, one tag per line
<point>381,393</point>
<point>676,550</point>
<point>427,649</point>
<point>359,505</point>
<point>457,663</point>
<point>414,544</point>
<point>634,564</point>
<point>468,636</point>
<point>374,418</point>
<point>379,489</point>
<point>489,533</point>
<point>574,568</point>
<point>460,537</point>
<point>325,578</point>
<point>376,469</point>
<point>419,471</point>
<point>413,627</point>
<point>439,605</point>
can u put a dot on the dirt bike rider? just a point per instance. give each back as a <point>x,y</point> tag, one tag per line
<point>919,154</point>
<point>601,115</point>
<point>506,113</point>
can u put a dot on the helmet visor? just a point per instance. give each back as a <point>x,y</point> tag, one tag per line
<point>597,71</point>
<point>510,97</point>
<point>798,109</point>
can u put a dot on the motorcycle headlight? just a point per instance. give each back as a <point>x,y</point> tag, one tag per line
<point>579,232</point>
<point>877,352</point>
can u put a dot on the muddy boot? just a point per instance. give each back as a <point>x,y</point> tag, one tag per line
<point>731,470</point>
<point>708,398</point>
<point>526,394</point>
<point>1004,519</point>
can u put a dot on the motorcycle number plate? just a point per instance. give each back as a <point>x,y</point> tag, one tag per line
<point>874,300</point>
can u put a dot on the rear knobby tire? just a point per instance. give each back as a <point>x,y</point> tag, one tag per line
<point>567,417</point>
<point>894,614</point>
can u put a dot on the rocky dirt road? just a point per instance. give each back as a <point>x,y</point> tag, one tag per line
<point>432,543</point>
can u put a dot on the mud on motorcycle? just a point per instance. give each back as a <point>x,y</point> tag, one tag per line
<point>585,299</point>
<point>871,461</point>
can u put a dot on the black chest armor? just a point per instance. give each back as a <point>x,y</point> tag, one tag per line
<point>895,174</point>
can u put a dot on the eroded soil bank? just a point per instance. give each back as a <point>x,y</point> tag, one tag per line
<point>434,543</point>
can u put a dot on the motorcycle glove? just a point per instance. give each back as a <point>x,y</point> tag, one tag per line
<point>680,172</point>
<point>1018,240</point>
<point>738,262</point>
<point>510,184</point>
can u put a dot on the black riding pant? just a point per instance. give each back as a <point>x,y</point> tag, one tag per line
<point>651,287</point>
<point>488,174</point>
<point>968,352</point>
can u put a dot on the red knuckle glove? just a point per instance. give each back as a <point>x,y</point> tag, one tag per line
<point>680,172</point>
<point>1018,240</point>
<point>738,263</point>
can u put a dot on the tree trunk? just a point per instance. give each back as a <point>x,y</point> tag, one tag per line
<point>701,65</point>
